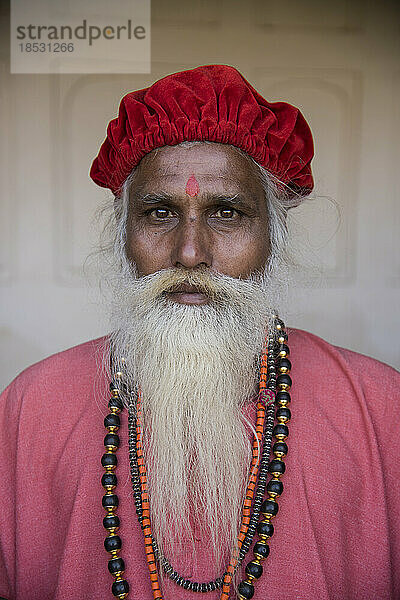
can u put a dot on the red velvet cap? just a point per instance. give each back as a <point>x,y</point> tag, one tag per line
<point>212,103</point>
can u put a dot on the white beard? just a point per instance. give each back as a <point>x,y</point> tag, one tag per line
<point>196,367</point>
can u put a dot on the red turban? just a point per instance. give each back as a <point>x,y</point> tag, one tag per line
<point>213,103</point>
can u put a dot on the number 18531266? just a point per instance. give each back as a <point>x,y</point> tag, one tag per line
<point>46,47</point>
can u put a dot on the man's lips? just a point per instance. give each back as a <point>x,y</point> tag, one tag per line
<point>184,293</point>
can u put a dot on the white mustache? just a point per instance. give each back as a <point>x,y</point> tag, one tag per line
<point>218,287</point>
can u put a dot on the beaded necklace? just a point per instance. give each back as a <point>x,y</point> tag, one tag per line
<point>274,386</point>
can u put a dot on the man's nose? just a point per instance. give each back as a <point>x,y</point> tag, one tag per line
<point>192,245</point>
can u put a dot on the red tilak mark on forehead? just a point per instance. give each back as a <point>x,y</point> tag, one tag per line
<point>192,186</point>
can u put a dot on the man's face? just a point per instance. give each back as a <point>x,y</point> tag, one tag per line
<point>201,206</point>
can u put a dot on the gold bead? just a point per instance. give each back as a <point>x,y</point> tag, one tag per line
<point>111,449</point>
<point>267,516</point>
<point>283,353</point>
<point>109,488</point>
<point>112,530</point>
<point>282,420</point>
<point>276,474</point>
<point>283,403</point>
<point>281,339</point>
<point>283,387</point>
<point>284,370</point>
<point>112,428</point>
<point>258,556</point>
<point>270,496</point>
<point>110,468</point>
<point>266,519</point>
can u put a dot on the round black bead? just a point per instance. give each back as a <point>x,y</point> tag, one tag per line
<point>115,403</point>
<point>284,348</point>
<point>277,466</point>
<point>116,565</point>
<point>285,396</point>
<point>283,412</point>
<point>112,420</point>
<point>109,460</point>
<point>111,522</point>
<point>280,430</point>
<point>111,439</point>
<point>265,528</point>
<point>254,569</point>
<point>284,362</point>
<point>270,507</point>
<point>109,479</point>
<point>280,447</point>
<point>120,587</point>
<point>112,542</point>
<point>110,500</point>
<point>246,590</point>
<point>284,379</point>
<point>261,549</point>
<point>274,486</point>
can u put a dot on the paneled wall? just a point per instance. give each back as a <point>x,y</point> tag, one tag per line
<point>339,62</point>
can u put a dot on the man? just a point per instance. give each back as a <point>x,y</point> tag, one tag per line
<point>203,170</point>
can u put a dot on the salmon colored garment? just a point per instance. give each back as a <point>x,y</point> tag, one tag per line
<point>337,533</point>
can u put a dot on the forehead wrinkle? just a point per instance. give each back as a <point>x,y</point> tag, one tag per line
<point>181,174</point>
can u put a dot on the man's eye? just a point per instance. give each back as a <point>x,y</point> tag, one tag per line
<point>161,213</point>
<point>226,213</point>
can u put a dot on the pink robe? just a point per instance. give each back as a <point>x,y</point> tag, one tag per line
<point>337,533</point>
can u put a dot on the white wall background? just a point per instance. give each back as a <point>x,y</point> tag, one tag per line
<point>339,62</point>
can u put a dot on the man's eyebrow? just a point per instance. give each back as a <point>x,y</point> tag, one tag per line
<point>234,200</point>
<point>155,198</point>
